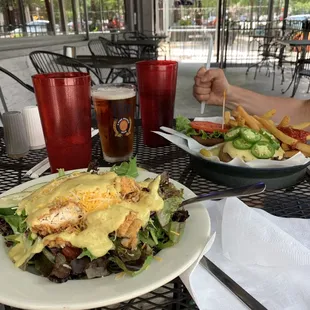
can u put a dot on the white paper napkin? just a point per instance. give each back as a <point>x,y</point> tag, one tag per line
<point>268,256</point>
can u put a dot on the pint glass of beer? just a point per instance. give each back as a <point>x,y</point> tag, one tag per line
<point>115,110</point>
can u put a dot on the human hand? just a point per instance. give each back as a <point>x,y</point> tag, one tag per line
<point>210,86</point>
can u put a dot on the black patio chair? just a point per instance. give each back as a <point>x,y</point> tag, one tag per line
<point>274,57</point>
<point>137,35</point>
<point>14,77</point>
<point>115,50</point>
<point>302,70</point>
<point>49,62</point>
<point>96,48</point>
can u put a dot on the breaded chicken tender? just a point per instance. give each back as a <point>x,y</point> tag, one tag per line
<point>129,189</point>
<point>129,231</point>
<point>67,216</point>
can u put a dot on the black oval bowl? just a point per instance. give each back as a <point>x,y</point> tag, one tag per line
<point>232,176</point>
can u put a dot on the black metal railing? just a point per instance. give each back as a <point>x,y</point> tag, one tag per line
<point>244,42</point>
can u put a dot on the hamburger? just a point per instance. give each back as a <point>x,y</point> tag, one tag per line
<point>206,133</point>
<point>248,144</point>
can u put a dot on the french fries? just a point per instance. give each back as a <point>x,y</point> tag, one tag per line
<point>269,114</point>
<point>295,144</point>
<point>276,132</point>
<point>233,123</point>
<point>301,125</point>
<point>258,123</point>
<point>227,117</point>
<point>285,121</point>
<point>290,153</point>
<point>291,146</point>
<point>285,147</point>
<point>304,148</point>
<point>249,120</point>
<point>235,113</point>
<point>205,153</point>
<point>241,121</point>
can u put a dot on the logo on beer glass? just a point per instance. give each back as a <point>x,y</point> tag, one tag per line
<point>122,127</point>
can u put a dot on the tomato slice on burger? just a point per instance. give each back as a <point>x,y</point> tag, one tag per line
<point>208,126</point>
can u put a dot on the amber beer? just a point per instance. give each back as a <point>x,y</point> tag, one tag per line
<point>115,110</point>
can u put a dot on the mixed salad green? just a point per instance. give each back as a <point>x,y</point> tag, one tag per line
<point>59,264</point>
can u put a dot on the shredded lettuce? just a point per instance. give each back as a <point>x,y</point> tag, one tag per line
<point>87,253</point>
<point>16,222</point>
<point>7,211</point>
<point>128,169</point>
<point>122,265</point>
<point>61,172</point>
<point>170,206</point>
<point>183,125</point>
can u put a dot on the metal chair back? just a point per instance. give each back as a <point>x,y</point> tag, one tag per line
<point>97,48</point>
<point>114,49</point>
<point>49,62</point>
<point>18,80</point>
<point>134,35</point>
<point>302,70</point>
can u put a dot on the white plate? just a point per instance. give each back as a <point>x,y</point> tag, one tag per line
<point>27,291</point>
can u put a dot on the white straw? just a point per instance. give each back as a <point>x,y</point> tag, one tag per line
<point>208,64</point>
<point>223,111</point>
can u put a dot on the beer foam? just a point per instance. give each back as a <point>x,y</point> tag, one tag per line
<point>113,93</point>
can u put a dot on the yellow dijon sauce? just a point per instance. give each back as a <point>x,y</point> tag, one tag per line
<point>65,186</point>
<point>96,236</point>
<point>100,221</point>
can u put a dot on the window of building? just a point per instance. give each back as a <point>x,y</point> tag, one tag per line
<point>37,18</point>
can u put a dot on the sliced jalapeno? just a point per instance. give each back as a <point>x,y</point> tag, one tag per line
<point>232,134</point>
<point>241,144</point>
<point>263,150</point>
<point>250,135</point>
<point>273,141</point>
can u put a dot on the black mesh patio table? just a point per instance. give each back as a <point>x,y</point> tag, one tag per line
<point>291,202</point>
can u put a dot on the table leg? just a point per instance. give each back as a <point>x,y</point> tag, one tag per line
<point>296,84</point>
<point>293,77</point>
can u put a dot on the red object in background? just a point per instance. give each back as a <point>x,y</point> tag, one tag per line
<point>298,134</point>
<point>64,104</point>
<point>156,88</point>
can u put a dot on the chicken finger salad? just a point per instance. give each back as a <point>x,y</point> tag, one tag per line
<point>92,224</point>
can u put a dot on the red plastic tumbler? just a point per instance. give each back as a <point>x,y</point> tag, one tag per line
<point>156,90</point>
<point>64,104</point>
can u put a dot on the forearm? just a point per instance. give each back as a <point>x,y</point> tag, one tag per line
<point>254,103</point>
